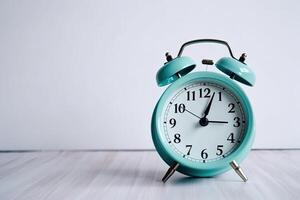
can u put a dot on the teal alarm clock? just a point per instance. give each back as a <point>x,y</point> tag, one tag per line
<point>203,123</point>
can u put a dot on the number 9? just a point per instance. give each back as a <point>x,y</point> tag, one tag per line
<point>172,122</point>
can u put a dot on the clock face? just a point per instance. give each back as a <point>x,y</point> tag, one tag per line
<point>204,121</point>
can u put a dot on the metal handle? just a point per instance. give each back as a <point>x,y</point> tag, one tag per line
<point>205,41</point>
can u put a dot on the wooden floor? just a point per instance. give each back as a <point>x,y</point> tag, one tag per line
<point>136,175</point>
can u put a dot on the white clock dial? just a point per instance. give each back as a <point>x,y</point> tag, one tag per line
<point>204,121</point>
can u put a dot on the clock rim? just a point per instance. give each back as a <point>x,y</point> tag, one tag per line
<point>197,168</point>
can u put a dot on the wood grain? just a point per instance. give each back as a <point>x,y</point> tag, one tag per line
<point>137,174</point>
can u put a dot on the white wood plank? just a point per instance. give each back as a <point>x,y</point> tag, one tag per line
<point>137,174</point>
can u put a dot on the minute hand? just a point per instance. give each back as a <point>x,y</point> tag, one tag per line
<point>208,106</point>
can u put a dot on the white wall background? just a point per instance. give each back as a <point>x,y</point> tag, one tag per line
<point>81,74</point>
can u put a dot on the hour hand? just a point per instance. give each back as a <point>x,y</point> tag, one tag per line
<point>219,122</point>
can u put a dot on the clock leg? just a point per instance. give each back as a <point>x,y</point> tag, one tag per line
<point>238,170</point>
<point>170,172</point>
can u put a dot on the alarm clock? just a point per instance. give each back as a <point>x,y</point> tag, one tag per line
<point>203,123</point>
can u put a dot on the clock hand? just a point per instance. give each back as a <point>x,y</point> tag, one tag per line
<point>192,113</point>
<point>220,122</point>
<point>208,106</point>
<point>204,121</point>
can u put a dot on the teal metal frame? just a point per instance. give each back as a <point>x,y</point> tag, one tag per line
<point>189,167</point>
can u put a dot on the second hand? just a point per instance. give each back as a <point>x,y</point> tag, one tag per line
<point>209,121</point>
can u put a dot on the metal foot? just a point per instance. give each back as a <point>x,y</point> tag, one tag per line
<point>238,170</point>
<point>170,172</point>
